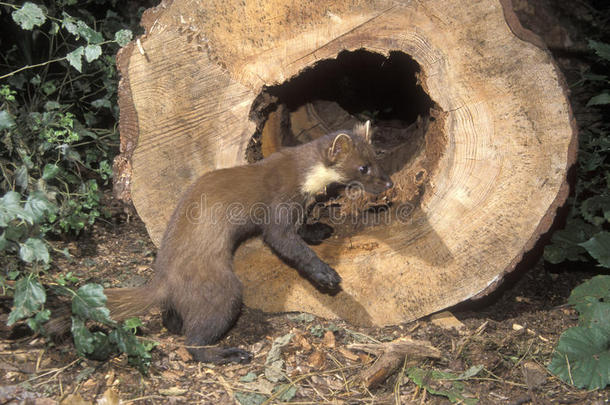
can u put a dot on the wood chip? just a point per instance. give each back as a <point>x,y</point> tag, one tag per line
<point>348,354</point>
<point>446,320</point>
<point>393,356</point>
<point>329,339</point>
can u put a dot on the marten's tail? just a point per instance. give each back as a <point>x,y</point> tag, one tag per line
<point>126,303</point>
<point>123,303</point>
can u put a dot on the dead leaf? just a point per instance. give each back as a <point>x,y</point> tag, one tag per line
<point>110,397</point>
<point>317,360</point>
<point>329,339</point>
<point>183,354</point>
<point>74,399</point>
<point>173,392</point>
<point>348,354</point>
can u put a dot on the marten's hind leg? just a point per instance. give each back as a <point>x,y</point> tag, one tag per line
<point>212,307</point>
<point>172,320</point>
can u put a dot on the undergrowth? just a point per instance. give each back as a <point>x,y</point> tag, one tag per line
<point>58,114</point>
<point>582,356</point>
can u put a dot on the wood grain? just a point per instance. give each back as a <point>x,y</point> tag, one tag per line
<point>500,177</point>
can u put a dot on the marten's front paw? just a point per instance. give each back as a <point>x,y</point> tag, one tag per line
<point>326,278</point>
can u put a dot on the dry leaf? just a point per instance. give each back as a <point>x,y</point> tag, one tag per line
<point>110,397</point>
<point>329,339</point>
<point>317,360</point>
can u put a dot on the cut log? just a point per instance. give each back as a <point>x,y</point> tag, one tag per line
<point>476,186</point>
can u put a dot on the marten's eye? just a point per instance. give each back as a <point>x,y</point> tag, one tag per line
<point>364,169</point>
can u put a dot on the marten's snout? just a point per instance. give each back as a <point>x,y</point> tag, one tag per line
<point>388,182</point>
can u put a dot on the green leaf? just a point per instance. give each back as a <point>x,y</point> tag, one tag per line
<point>601,49</point>
<point>250,398</point>
<point>27,300</point>
<point>51,105</point>
<point>600,99</point>
<point>75,58</point>
<point>596,209</point>
<point>101,102</point>
<point>123,37</point>
<point>34,249</point>
<point>597,287</point>
<point>21,177</point>
<point>288,392</point>
<point>29,16</point>
<point>565,243</point>
<point>37,205</point>
<point>440,383</point>
<point>38,320</point>
<point>6,120</point>
<point>90,35</point>
<point>4,243</point>
<point>92,52</point>
<point>50,171</point>
<point>132,324</point>
<point>599,248</point>
<point>137,352</point>
<point>597,315</point>
<point>582,358</point>
<point>10,208</point>
<point>89,302</point>
<point>83,338</point>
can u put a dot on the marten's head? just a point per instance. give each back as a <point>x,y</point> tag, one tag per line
<point>349,158</point>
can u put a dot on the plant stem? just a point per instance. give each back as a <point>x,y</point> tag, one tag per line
<point>31,66</point>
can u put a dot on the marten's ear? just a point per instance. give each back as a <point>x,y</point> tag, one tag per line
<point>341,145</point>
<point>364,130</point>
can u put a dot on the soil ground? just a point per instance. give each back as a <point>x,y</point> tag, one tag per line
<point>511,338</point>
<point>508,337</point>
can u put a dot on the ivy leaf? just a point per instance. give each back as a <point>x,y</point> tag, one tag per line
<point>596,209</point>
<point>50,171</point>
<point>6,120</point>
<point>34,249</point>
<point>37,205</point>
<point>29,16</point>
<point>101,102</point>
<point>90,35</point>
<point>92,52</point>
<point>599,247</point>
<point>3,241</point>
<point>10,207</point>
<point>601,49</point>
<point>138,353</point>
<point>83,338</point>
<point>582,358</point>
<point>21,177</point>
<point>75,58</point>
<point>89,302</point>
<point>27,300</point>
<point>600,99</point>
<point>123,37</point>
<point>38,320</point>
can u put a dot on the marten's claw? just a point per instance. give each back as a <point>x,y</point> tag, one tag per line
<point>221,355</point>
<point>327,279</point>
<point>235,355</point>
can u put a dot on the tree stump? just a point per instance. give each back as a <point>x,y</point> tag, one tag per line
<point>471,104</point>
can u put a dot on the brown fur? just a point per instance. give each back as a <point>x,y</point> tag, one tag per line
<point>194,283</point>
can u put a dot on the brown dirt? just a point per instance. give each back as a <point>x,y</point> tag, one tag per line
<point>512,338</point>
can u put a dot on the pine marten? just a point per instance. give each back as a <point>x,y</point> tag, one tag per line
<point>194,284</point>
